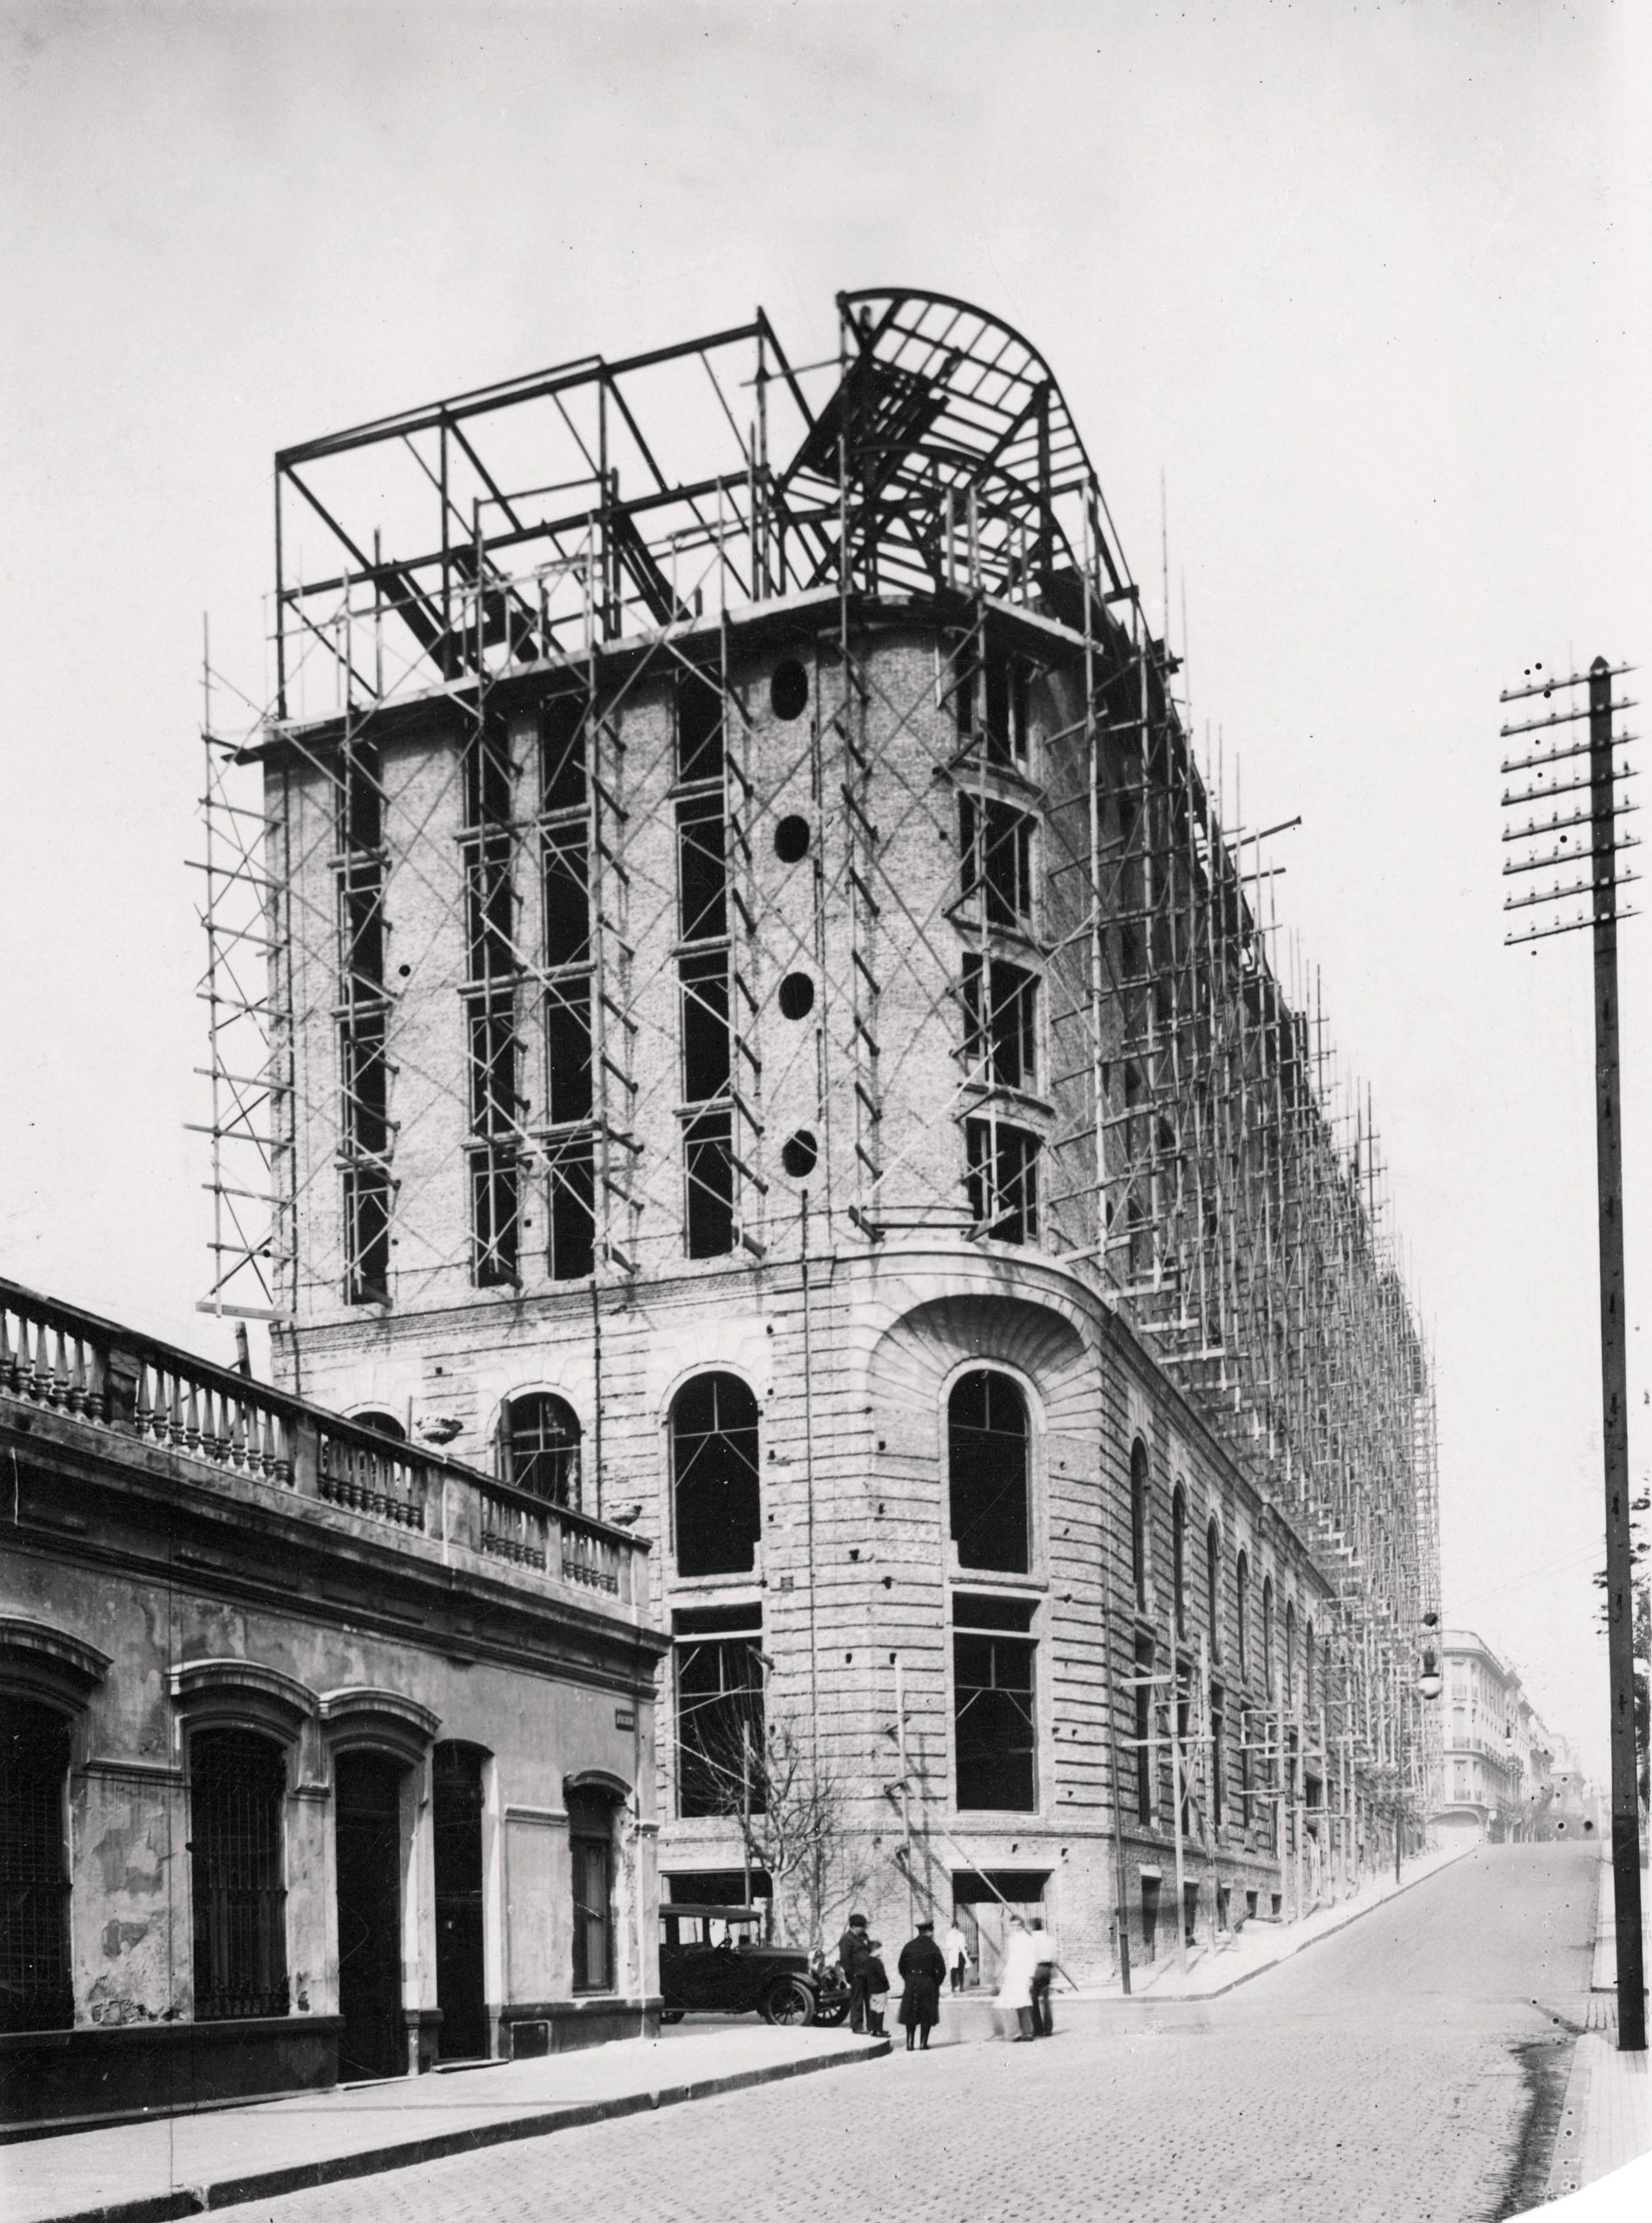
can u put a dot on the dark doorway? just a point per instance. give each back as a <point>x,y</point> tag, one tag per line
<point>368,1843</point>
<point>461,1985</point>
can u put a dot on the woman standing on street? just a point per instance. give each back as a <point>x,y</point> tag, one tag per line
<point>922,1971</point>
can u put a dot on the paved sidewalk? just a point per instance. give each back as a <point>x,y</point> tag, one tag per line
<point>1261,1945</point>
<point>147,2173</point>
<point>1607,2122</point>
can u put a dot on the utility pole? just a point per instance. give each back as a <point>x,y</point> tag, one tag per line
<point>1605,845</point>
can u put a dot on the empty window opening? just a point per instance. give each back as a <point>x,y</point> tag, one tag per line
<point>1146,1771</point>
<point>1241,1612</point>
<point>791,840</point>
<point>1000,1017</point>
<point>590,1840</point>
<point>788,690</point>
<point>1307,1671</point>
<point>1149,1917</point>
<point>568,901</point>
<point>1002,1180</point>
<point>496,1223</point>
<point>571,1252</point>
<point>381,1423</point>
<point>540,1440</point>
<point>702,870</point>
<point>1267,1634</point>
<point>490,913</point>
<point>1218,1758</point>
<point>366,1234</point>
<point>699,727</point>
<point>488,776</point>
<point>237,1788</point>
<point>796,996</point>
<point>568,1050</point>
<point>706,1050</point>
<point>798,1153</point>
<point>37,1988</point>
<point>988,1462</point>
<point>1213,1588</point>
<point>1139,1522</point>
<point>361,796</point>
<point>1179,1558</point>
<point>995,1733</point>
<point>717,1656</point>
<point>996,841</point>
<point>993,702</point>
<point>708,1175</point>
<point>716,1499</point>
<point>361,927</point>
<point>1287,1657</point>
<point>562,753</point>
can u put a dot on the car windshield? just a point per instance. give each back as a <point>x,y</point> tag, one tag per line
<point>710,1925</point>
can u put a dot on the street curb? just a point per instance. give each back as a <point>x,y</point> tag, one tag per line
<point>304,2176</point>
<point>1304,1944</point>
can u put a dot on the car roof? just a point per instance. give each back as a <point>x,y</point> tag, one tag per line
<point>718,1914</point>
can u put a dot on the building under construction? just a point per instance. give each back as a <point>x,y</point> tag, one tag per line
<point>737,1008</point>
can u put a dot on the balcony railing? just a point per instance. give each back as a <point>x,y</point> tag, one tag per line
<point>121,1384</point>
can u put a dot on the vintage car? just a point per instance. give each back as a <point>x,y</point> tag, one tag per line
<point>712,1963</point>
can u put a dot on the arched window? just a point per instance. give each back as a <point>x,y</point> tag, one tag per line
<point>1139,1522</point>
<point>540,1438</point>
<point>1267,1634</point>
<point>988,1437</point>
<point>1289,1677</point>
<point>1241,1612</point>
<point>716,1503</point>
<point>1307,1671</point>
<point>36,1990</point>
<point>382,1423</point>
<point>1213,1588</point>
<point>591,1836</point>
<point>1179,1557</point>
<point>237,1790</point>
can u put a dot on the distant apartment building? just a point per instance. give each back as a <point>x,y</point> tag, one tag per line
<point>1496,1782</point>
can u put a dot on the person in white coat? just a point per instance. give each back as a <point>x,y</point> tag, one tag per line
<point>1022,1954</point>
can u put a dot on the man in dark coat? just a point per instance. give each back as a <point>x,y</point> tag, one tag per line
<point>853,1952</point>
<point>923,1970</point>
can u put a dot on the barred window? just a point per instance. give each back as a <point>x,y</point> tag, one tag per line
<point>35,1986</point>
<point>237,1787</point>
<point>541,1442</point>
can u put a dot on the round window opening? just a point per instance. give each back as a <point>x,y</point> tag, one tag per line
<point>798,1153</point>
<point>788,690</point>
<point>797,996</point>
<point>791,840</point>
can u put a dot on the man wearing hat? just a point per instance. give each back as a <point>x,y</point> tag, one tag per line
<point>854,1951</point>
<point>922,1971</point>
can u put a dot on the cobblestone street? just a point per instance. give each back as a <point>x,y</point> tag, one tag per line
<point>1408,2069</point>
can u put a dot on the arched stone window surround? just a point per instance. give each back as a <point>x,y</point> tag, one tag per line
<point>39,1661</point>
<point>1309,1694</point>
<point>1241,1612</point>
<point>363,1715</point>
<point>372,1415</point>
<point>1269,1617</point>
<point>593,1787</point>
<point>690,1374</point>
<point>241,1693</point>
<point>1288,1657</point>
<point>1034,1516</point>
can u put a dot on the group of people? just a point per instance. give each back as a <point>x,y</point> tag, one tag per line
<point>924,1969</point>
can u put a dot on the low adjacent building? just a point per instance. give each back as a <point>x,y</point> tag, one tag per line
<point>1496,1782</point>
<point>324,1756</point>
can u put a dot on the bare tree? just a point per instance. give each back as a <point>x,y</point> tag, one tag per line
<point>792,1814</point>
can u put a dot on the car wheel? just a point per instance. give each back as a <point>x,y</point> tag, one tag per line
<point>789,2004</point>
<point>829,2013</point>
<point>671,2013</point>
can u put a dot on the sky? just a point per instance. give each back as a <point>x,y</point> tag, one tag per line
<point>1350,303</point>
